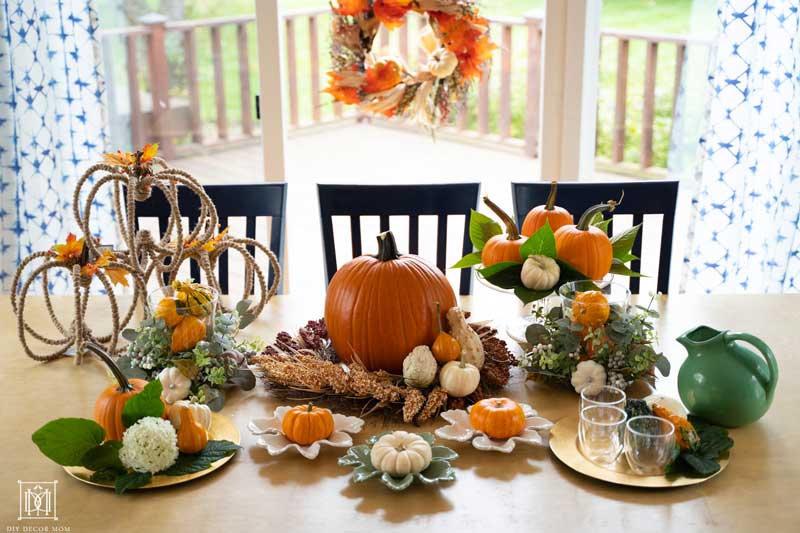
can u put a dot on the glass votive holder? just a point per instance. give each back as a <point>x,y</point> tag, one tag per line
<point>608,395</point>
<point>649,444</point>
<point>600,433</point>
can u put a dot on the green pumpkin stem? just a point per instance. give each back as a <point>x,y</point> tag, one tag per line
<point>124,384</point>
<point>551,198</point>
<point>387,247</point>
<point>310,407</point>
<point>589,214</point>
<point>511,227</point>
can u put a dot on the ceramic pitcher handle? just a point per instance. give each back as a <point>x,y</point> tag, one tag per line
<point>762,347</point>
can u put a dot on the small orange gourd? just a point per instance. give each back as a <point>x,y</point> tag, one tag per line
<point>445,348</point>
<point>547,213</point>
<point>167,309</point>
<point>499,418</point>
<point>590,309</point>
<point>305,424</point>
<point>187,334</point>
<point>585,247</point>
<point>192,435</point>
<point>503,247</point>
<point>685,435</point>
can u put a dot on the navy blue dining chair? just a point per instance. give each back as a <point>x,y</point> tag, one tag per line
<point>641,198</point>
<point>384,201</point>
<point>249,200</point>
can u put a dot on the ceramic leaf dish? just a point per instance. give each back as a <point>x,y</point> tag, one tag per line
<point>275,442</point>
<point>461,430</point>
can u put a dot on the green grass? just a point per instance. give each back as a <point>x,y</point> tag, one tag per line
<point>662,16</point>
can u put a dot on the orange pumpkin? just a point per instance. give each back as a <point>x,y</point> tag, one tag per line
<point>685,435</point>
<point>503,247</point>
<point>445,348</point>
<point>548,213</point>
<point>585,247</point>
<point>499,418</point>
<point>108,406</point>
<point>590,309</point>
<point>378,308</point>
<point>167,309</point>
<point>305,424</point>
<point>187,334</point>
<point>192,435</point>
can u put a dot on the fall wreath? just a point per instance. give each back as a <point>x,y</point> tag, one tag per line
<point>456,42</point>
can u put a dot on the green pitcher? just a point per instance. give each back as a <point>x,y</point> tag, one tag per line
<point>724,382</point>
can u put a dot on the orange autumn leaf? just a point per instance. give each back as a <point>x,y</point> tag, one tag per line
<point>105,258</point>
<point>391,13</point>
<point>382,76</point>
<point>351,7</point>
<point>120,158</point>
<point>89,269</point>
<point>70,250</point>
<point>347,95</point>
<point>210,245</point>
<point>118,276</point>
<point>149,152</point>
<point>473,58</point>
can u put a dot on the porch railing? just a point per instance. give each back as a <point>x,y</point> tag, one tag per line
<point>504,110</point>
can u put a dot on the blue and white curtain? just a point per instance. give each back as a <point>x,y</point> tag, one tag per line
<point>51,125</point>
<point>745,229</point>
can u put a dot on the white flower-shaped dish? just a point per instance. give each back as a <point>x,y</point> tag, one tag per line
<point>276,442</point>
<point>461,430</point>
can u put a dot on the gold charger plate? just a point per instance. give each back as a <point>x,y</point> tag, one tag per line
<point>564,443</point>
<point>221,429</point>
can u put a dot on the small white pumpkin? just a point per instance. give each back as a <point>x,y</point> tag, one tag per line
<point>459,379</point>
<point>470,341</point>
<point>200,412</point>
<point>590,376</point>
<point>401,453</point>
<point>419,367</point>
<point>672,404</point>
<point>540,272</point>
<point>442,62</point>
<point>175,385</point>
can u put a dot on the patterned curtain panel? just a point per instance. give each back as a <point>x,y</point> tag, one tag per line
<point>745,230</point>
<point>51,125</point>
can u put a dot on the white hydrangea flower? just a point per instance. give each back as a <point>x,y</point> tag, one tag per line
<point>150,445</point>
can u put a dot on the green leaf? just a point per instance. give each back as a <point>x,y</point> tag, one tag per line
<point>602,223</point>
<point>125,363</point>
<point>527,295</point>
<point>468,260</point>
<point>663,366</point>
<point>146,403</point>
<point>481,229</point>
<point>191,463</point>
<point>66,440</point>
<point>622,243</point>
<point>104,477</point>
<point>505,275</point>
<point>246,319</point>
<point>133,480</point>
<point>537,334</point>
<point>365,472</point>
<point>704,466</point>
<point>243,378</point>
<point>243,306</point>
<point>397,483</point>
<point>443,453</point>
<point>129,334</point>
<point>618,267</point>
<point>103,457</point>
<point>543,242</point>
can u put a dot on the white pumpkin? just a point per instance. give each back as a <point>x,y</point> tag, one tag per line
<point>442,62</point>
<point>672,404</point>
<point>590,376</point>
<point>459,379</point>
<point>540,272</point>
<point>401,453</point>
<point>200,412</point>
<point>419,367</point>
<point>174,384</point>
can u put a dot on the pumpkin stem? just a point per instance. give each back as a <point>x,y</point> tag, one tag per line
<point>310,407</point>
<point>511,226</point>
<point>589,214</point>
<point>551,198</point>
<point>439,316</point>
<point>124,384</point>
<point>387,247</point>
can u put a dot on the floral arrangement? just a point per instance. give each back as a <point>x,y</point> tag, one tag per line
<point>457,43</point>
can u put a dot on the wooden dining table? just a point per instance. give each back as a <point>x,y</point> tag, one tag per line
<point>526,490</point>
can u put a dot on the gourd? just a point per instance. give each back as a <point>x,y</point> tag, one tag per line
<point>401,453</point>
<point>590,309</point>
<point>669,403</point>
<point>195,298</point>
<point>445,348</point>
<point>442,62</point>
<point>499,418</point>
<point>174,385</point>
<point>305,424</point>
<point>686,436</point>
<point>459,379</point>
<point>192,436</point>
<point>503,247</point>
<point>108,406</point>
<point>470,341</point>
<point>540,272</point>
<point>167,309</point>
<point>548,213</point>
<point>187,334</point>
<point>585,247</point>
<point>378,308</point>
<point>200,412</point>
<point>588,376</point>
<point>419,367</point>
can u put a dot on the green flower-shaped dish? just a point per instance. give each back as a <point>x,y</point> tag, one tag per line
<point>439,469</point>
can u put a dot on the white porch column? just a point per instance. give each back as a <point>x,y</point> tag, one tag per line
<point>270,75</point>
<point>569,89</point>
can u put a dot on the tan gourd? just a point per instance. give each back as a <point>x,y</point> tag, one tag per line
<point>470,341</point>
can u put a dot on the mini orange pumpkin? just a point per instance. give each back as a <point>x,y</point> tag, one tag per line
<point>167,309</point>
<point>499,418</point>
<point>685,435</point>
<point>590,309</point>
<point>503,247</point>
<point>585,247</point>
<point>445,348</point>
<point>187,334</point>
<point>305,424</point>
<point>192,435</point>
<point>548,213</point>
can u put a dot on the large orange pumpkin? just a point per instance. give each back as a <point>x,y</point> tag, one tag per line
<point>547,213</point>
<point>585,247</point>
<point>378,308</point>
<point>503,247</point>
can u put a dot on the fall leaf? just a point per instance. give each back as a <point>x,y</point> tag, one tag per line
<point>391,13</point>
<point>473,58</point>
<point>105,258</point>
<point>120,158</point>
<point>89,269</point>
<point>347,95</point>
<point>117,276</point>
<point>149,152</point>
<point>351,7</point>
<point>70,250</point>
<point>210,245</point>
<point>382,76</point>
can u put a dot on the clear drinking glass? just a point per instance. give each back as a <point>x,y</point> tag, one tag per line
<point>608,395</point>
<point>649,444</point>
<point>600,433</point>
